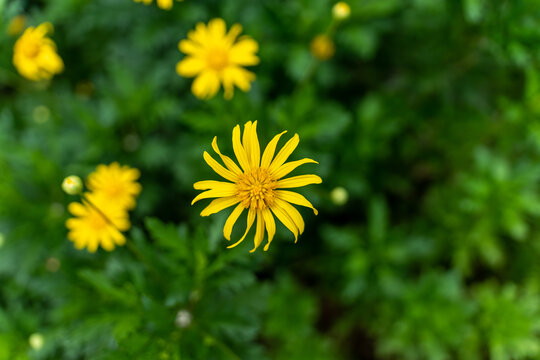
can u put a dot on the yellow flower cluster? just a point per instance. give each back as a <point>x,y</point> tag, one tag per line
<point>162,4</point>
<point>102,215</point>
<point>34,54</point>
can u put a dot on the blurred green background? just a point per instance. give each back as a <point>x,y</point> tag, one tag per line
<point>428,116</point>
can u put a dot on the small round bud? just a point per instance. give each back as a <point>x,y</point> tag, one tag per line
<point>322,47</point>
<point>52,264</point>
<point>341,10</point>
<point>41,114</point>
<point>36,341</point>
<point>339,195</point>
<point>183,319</point>
<point>72,185</point>
<point>17,25</point>
<point>2,240</point>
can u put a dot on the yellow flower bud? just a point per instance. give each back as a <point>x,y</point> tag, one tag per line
<point>341,10</point>
<point>72,185</point>
<point>339,195</point>
<point>322,47</point>
<point>36,341</point>
<point>16,25</point>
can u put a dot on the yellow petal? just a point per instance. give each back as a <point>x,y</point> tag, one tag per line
<point>208,184</point>
<point>259,232</point>
<point>219,204</point>
<point>200,34</point>
<point>190,66</point>
<point>206,85</point>
<point>286,220</point>
<point>43,29</point>
<point>189,47</point>
<point>283,155</point>
<point>270,226</point>
<point>222,191</point>
<point>235,30</point>
<point>218,168</point>
<point>293,213</point>
<point>246,141</point>
<point>250,219</point>
<point>290,166</point>
<point>239,149</point>
<point>255,150</point>
<point>231,165</point>
<point>217,29</point>
<point>49,60</point>
<point>294,198</point>
<point>92,246</point>
<point>118,237</point>
<point>77,209</point>
<point>268,153</point>
<point>297,181</point>
<point>236,76</point>
<point>107,244</point>
<point>231,220</point>
<point>243,52</point>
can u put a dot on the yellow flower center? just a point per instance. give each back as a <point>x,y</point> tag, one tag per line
<point>218,59</point>
<point>114,190</point>
<point>97,221</point>
<point>256,189</point>
<point>31,48</point>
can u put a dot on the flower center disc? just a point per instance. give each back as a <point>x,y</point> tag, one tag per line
<point>256,189</point>
<point>218,59</point>
<point>97,221</point>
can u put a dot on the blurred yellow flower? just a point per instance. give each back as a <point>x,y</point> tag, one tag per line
<point>34,54</point>
<point>322,47</point>
<point>115,184</point>
<point>97,222</point>
<point>216,57</point>
<point>16,25</point>
<point>257,185</point>
<point>341,10</point>
<point>163,4</point>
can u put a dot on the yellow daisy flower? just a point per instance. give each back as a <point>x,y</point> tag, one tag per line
<point>34,54</point>
<point>216,57</point>
<point>257,185</point>
<point>97,222</point>
<point>116,184</point>
<point>162,4</point>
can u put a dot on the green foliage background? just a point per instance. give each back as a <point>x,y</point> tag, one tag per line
<point>429,116</point>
